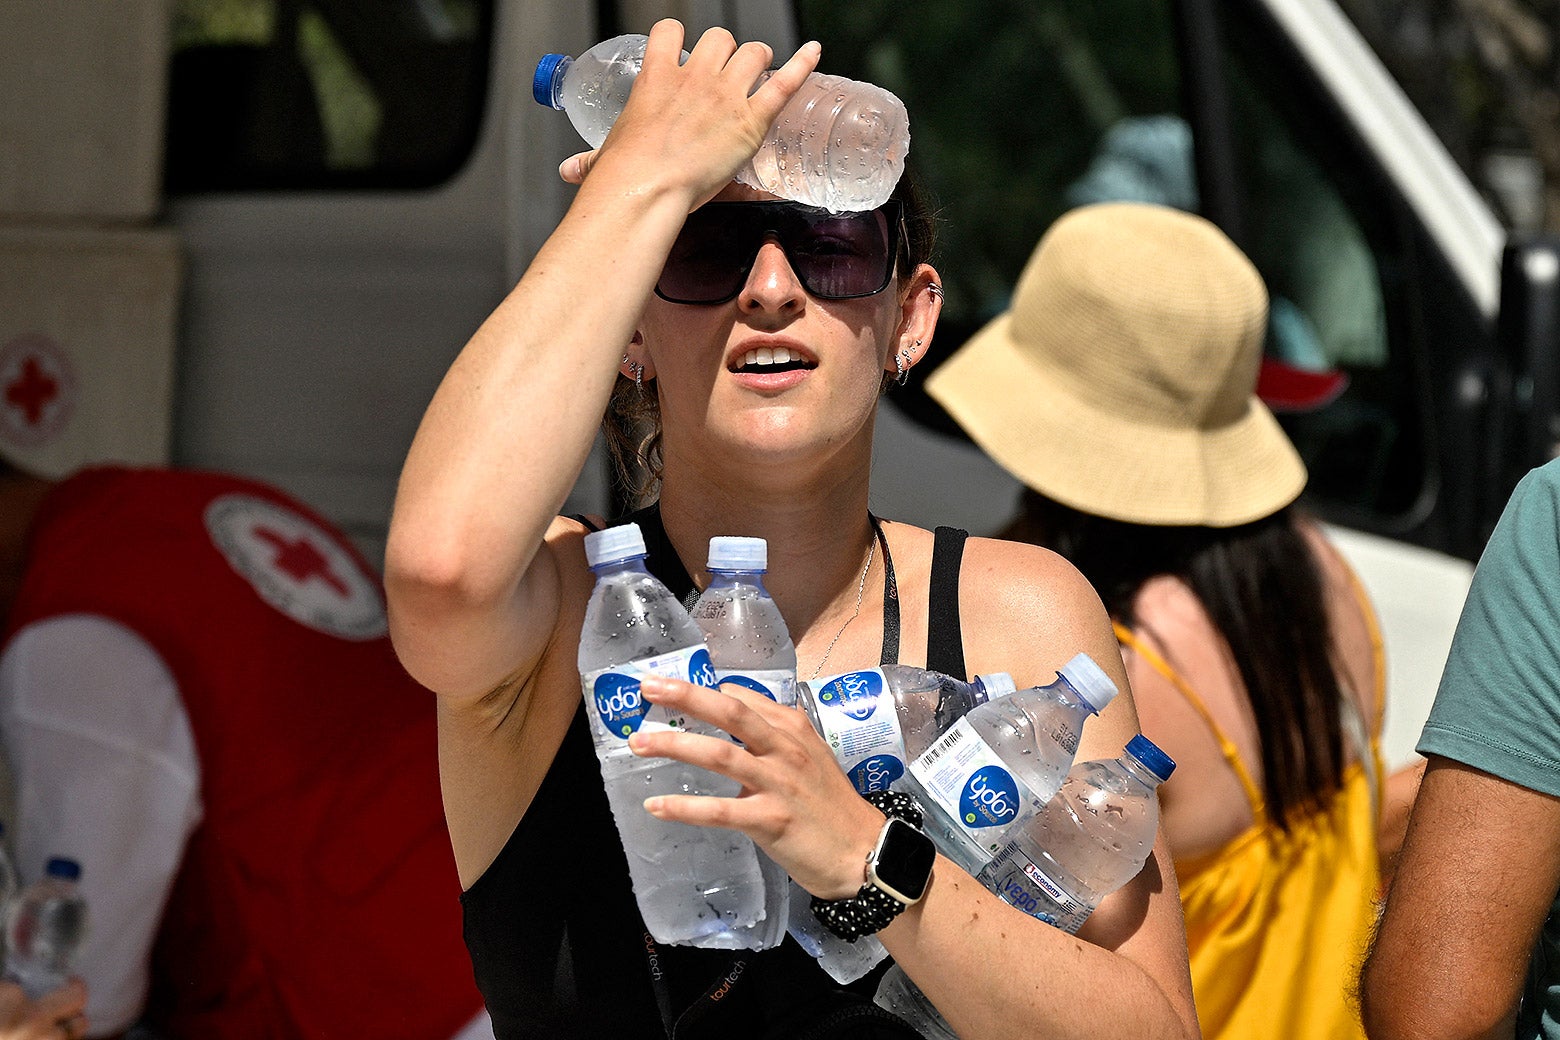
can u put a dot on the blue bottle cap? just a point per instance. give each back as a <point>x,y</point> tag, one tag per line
<point>614,544</point>
<point>1153,759</point>
<point>546,76</point>
<point>61,867</point>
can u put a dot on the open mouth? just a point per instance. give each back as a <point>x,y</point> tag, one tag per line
<point>768,360</point>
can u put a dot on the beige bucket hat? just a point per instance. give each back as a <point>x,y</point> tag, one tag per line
<point>1122,379</point>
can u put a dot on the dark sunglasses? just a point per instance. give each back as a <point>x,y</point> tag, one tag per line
<point>836,256</point>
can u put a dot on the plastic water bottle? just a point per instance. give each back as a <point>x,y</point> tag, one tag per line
<point>1092,837</point>
<point>45,930</point>
<point>692,883</point>
<point>750,646</point>
<point>877,719</point>
<point>1003,761</point>
<point>839,144</point>
<point>1089,840</point>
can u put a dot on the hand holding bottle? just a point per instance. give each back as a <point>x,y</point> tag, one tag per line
<point>53,1015</point>
<point>795,803</point>
<point>693,125</point>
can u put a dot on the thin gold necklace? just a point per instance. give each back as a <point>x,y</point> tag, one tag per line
<point>861,590</point>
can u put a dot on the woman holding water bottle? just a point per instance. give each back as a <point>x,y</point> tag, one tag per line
<point>761,360</point>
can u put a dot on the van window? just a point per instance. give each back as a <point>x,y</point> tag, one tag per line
<point>302,94</point>
<point>1041,105</point>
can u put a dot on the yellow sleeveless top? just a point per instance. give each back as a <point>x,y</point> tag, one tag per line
<point>1277,923</point>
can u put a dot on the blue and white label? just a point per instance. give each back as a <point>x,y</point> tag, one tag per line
<point>617,709</point>
<point>855,694</point>
<point>1020,881</point>
<point>989,798</point>
<point>858,719</point>
<point>876,773</point>
<point>778,684</point>
<point>971,785</point>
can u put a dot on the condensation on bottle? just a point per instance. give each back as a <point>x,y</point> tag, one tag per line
<point>693,884</point>
<point>750,646</point>
<point>838,144</point>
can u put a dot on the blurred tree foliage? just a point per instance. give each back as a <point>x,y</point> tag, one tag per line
<point>1485,73</point>
<point>1008,100</point>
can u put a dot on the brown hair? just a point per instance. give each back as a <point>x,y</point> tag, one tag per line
<point>1262,588</point>
<point>632,423</point>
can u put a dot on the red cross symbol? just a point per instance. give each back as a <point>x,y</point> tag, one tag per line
<point>300,560</point>
<point>32,391</point>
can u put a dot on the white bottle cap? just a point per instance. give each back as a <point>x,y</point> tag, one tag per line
<point>738,554</point>
<point>614,544</point>
<point>997,684</point>
<point>1090,680</point>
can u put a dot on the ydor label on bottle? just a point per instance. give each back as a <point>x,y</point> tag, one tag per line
<point>860,723</point>
<point>778,684</point>
<point>969,782</point>
<point>618,710</point>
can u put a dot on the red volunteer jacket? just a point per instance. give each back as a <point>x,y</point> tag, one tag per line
<point>318,897</point>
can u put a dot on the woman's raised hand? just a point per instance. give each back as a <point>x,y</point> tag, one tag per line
<point>795,801</point>
<point>693,125</point>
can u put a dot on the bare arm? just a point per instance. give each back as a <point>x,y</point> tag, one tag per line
<point>1478,873</point>
<point>512,422</point>
<point>800,807</point>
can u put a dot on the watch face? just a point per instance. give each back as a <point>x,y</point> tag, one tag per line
<point>902,863</point>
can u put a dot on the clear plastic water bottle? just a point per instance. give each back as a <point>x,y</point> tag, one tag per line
<point>1092,837</point>
<point>839,144</point>
<point>877,719</point>
<point>692,883</point>
<point>45,929</point>
<point>750,646</point>
<point>1089,840</point>
<point>1003,761</point>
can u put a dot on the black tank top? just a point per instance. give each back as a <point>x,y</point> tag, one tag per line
<point>556,941</point>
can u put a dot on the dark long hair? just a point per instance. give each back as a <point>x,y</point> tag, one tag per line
<point>632,423</point>
<point>1262,589</point>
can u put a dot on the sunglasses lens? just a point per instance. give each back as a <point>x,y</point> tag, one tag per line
<point>842,256</point>
<point>835,256</point>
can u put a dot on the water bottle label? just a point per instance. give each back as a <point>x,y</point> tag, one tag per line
<point>618,710</point>
<point>778,684</point>
<point>970,783</point>
<point>1021,882</point>
<point>857,716</point>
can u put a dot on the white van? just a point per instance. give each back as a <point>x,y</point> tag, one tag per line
<point>353,185</point>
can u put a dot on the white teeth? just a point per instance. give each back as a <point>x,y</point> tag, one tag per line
<point>768,356</point>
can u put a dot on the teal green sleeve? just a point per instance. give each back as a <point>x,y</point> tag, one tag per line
<point>1498,706</point>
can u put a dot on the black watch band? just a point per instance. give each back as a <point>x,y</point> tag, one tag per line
<point>872,909</point>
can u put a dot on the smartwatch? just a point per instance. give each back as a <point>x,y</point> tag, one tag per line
<point>899,868</point>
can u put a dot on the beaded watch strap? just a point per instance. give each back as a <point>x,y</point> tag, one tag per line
<point>870,910</point>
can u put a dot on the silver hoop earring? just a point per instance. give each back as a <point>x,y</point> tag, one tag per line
<point>936,290</point>
<point>902,365</point>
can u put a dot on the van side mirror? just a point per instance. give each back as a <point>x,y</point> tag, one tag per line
<point>1527,336</point>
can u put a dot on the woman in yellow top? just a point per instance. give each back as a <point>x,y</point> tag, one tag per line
<point>1118,388</point>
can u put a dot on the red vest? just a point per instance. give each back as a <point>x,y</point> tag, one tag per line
<point>318,897</point>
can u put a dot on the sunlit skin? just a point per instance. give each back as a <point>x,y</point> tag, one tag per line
<point>488,587</point>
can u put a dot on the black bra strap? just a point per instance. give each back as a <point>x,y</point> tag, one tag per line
<point>890,597</point>
<point>944,640</point>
